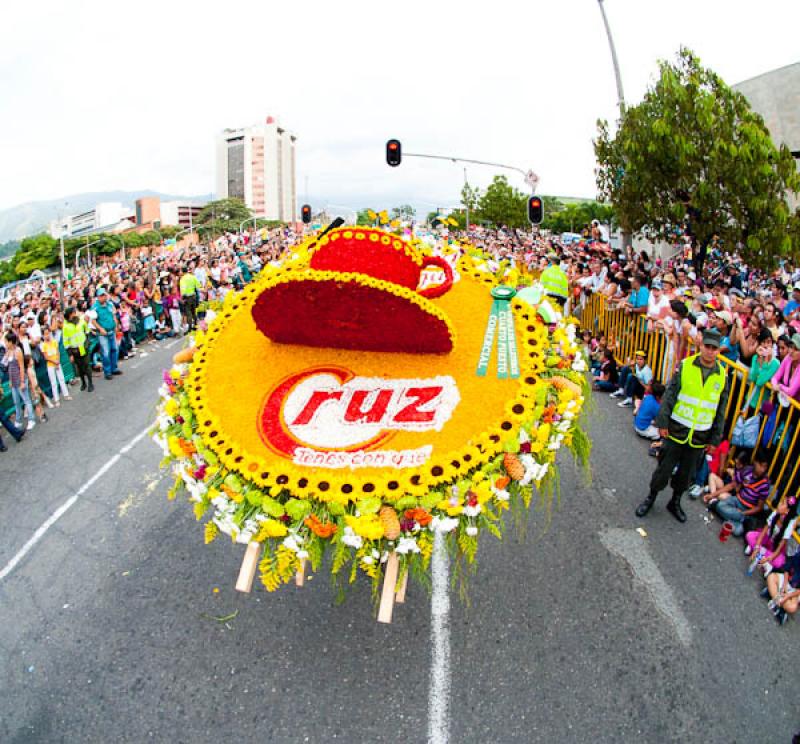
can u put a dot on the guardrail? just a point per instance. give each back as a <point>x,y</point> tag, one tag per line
<point>627,334</point>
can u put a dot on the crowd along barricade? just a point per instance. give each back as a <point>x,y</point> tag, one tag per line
<point>779,431</point>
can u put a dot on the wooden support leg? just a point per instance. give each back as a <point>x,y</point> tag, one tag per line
<point>387,596</point>
<point>400,597</point>
<point>300,576</point>
<point>248,570</point>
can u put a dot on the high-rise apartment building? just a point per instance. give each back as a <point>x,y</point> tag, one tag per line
<point>257,165</point>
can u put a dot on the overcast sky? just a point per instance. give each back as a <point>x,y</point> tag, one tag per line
<point>98,96</point>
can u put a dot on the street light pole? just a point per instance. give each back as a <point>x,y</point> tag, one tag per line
<point>614,61</point>
<point>466,200</point>
<point>63,271</point>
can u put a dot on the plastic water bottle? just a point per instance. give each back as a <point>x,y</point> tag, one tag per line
<point>760,553</point>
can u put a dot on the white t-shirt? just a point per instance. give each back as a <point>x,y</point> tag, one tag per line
<point>657,309</point>
<point>792,545</point>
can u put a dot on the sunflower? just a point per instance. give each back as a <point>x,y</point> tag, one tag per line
<point>414,484</point>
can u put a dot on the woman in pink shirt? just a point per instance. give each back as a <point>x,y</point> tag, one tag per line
<point>787,378</point>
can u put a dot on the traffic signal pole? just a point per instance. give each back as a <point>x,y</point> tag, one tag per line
<point>530,177</point>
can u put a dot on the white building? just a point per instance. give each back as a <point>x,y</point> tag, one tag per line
<point>257,164</point>
<point>105,217</point>
<point>180,214</point>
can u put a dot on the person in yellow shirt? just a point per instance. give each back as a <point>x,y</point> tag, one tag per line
<point>74,337</point>
<point>52,354</point>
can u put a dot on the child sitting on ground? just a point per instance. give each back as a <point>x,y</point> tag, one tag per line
<point>783,587</point>
<point>598,347</point>
<point>648,410</point>
<point>608,376</point>
<point>771,540</point>
<point>745,495</point>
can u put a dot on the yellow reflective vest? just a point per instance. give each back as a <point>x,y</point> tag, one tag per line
<point>555,282</point>
<point>696,406</point>
<point>73,335</point>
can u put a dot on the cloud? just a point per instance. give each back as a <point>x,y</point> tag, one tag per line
<point>99,96</point>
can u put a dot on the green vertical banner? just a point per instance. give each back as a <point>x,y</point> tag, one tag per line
<point>501,322</point>
<point>488,340</point>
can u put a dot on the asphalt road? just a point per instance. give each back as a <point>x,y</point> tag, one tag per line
<point>584,631</point>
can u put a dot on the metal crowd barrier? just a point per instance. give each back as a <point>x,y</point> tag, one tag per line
<point>629,334</point>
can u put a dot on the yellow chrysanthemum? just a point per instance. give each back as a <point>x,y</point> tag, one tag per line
<point>368,526</point>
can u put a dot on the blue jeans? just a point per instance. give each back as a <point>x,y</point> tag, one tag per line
<point>732,510</point>
<point>20,396</point>
<point>14,431</point>
<point>108,347</point>
<point>605,386</point>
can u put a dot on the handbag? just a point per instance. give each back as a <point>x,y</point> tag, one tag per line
<point>745,432</point>
<point>769,427</point>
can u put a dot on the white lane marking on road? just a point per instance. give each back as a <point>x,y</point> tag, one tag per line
<point>439,692</point>
<point>68,504</point>
<point>171,343</point>
<point>631,547</point>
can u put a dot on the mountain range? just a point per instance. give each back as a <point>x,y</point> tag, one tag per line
<point>32,218</point>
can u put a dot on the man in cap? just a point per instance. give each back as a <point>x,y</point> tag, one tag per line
<point>691,420</point>
<point>105,323</point>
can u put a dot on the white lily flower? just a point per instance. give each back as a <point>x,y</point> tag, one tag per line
<point>351,539</point>
<point>443,524</point>
<point>472,511</point>
<point>407,545</point>
<point>501,494</point>
<point>471,530</point>
<point>368,559</point>
<point>302,554</point>
<point>290,543</point>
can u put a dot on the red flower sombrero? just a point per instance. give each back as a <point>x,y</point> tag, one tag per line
<point>359,292</point>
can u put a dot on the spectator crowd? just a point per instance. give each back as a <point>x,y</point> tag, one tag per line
<point>109,312</point>
<point>750,481</point>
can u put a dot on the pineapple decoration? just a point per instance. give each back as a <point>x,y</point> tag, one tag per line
<point>563,383</point>
<point>513,466</point>
<point>390,521</point>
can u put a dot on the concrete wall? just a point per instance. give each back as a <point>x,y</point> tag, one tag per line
<point>776,96</point>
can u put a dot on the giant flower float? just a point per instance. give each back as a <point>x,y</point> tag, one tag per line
<point>363,395</point>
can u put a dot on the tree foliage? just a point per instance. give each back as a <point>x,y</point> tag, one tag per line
<point>223,215</point>
<point>502,204</point>
<point>404,212</point>
<point>574,216</point>
<point>693,150</point>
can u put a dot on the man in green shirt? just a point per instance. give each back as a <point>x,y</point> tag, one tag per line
<point>189,286</point>
<point>106,326</point>
<point>74,339</point>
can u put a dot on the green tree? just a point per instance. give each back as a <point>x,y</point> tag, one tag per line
<point>364,217</point>
<point>223,214</point>
<point>404,212</point>
<point>37,252</point>
<point>502,204</point>
<point>694,151</point>
<point>470,198</point>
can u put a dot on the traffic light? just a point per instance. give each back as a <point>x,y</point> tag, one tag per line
<point>535,210</point>
<point>305,212</point>
<point>394,152</point>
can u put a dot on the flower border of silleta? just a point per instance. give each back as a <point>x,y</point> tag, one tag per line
<point>460,495</point>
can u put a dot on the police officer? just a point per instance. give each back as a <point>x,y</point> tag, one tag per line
<point>691,421</point>
<point>554,280</point>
